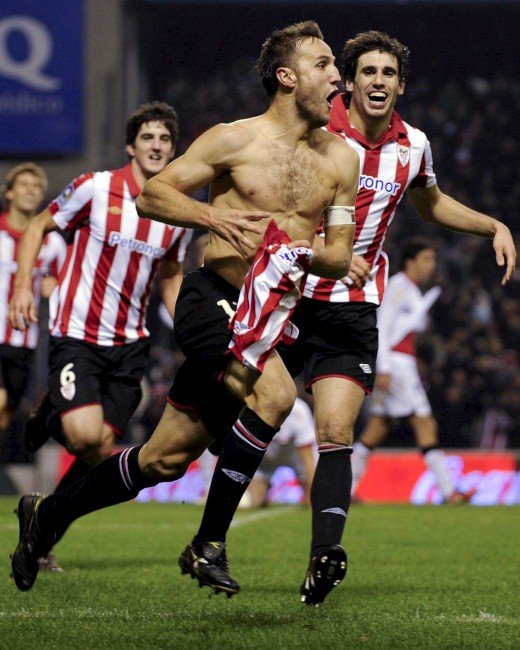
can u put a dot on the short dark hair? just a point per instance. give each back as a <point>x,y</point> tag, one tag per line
<point>153,112</point>
<point>278,51</point>
<point>369,41</point>
<point>410,248</point>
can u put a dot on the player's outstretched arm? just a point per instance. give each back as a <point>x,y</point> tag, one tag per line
<point>22,306</point>
<point>436,207</point>
<point>165,197</point>
<point>333,260</point>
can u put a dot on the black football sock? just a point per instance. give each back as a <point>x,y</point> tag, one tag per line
<point>50,419</point>
<point>115,480</point>
<point>76,471</point>
<point>241,455</point>
<point>330,495</point>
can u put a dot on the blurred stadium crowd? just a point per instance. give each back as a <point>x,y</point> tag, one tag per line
<point>470,355</point>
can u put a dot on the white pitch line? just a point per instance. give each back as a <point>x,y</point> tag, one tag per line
<point>90,613</point>
<point>259,515</point>
<point>243,520</point>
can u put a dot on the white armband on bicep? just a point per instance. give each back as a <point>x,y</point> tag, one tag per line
<point>339,215</point>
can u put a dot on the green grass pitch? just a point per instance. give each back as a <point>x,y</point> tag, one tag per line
<point>419,577</point>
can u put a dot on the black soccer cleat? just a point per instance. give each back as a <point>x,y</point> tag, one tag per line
<point>208,563</point>
<point>326,571</point>
<point>31,547</point>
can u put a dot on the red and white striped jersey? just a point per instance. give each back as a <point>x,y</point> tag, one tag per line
<point>105,283</point>
<point>268,298</point>
<point>401,159</point>
<point>49,261</point>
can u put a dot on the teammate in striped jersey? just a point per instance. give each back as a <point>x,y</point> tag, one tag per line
<point>23,191</point>
<point>99,341</point>
<point>338,318</point>
<point>282,165</point>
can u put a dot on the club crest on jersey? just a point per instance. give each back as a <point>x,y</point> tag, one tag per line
<point>403,153</point>
<point>68,391</point>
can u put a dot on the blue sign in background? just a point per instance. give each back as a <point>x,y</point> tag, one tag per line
<point>41,77</point>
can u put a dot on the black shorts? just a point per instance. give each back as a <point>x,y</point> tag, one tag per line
<point>81,373</point>
<point>15,370</point>
<point>336,340</point>
<point>202,315</point>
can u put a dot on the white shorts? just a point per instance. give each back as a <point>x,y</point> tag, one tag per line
<point>406,395</point>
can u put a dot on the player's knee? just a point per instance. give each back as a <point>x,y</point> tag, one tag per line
<point>335,431</point>
<point>277,398</point>
<point>85,441</point>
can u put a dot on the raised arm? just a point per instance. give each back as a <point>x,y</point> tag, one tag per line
<point>333,260</point>
<point>165,197</point>
<point>435,207</point>
<point>22,306</point>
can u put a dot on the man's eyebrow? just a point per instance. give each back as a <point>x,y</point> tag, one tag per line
<point>325,57</point>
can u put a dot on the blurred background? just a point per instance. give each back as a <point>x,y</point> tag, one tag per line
<point>72,71</point>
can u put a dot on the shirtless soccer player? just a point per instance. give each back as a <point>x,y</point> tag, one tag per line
<point>280,165</point>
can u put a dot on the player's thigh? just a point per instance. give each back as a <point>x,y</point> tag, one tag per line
<point>179,438</point>
<point>83,426</point>
<point>121,384</point>
<point>270,394</point>
<point>75,370</point>
<point>337,403</point>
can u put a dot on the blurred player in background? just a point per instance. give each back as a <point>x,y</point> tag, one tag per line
<point>293,446</point>
<point>23,191</point>
<point>99,341</point>
<point>399,392</point>
<point>337,319</point>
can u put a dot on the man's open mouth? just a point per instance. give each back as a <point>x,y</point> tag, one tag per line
<point>378,97</point>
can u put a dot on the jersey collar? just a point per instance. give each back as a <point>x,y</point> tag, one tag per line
<point>134,188</point>
<point>339,123</point>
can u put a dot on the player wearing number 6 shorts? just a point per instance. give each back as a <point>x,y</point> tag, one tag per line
<point>99,341</point>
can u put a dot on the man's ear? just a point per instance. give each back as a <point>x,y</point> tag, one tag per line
<point>130,150</point>
<point>286,77</point>
<point>349,86</point>
<point>401,87</point>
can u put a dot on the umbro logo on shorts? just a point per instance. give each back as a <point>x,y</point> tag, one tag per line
<point>365,368</point>
<point>236,476</point>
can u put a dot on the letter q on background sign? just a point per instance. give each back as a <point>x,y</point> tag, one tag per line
<point>39,50</point>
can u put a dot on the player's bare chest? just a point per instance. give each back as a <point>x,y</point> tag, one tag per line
<point>292,180</point>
